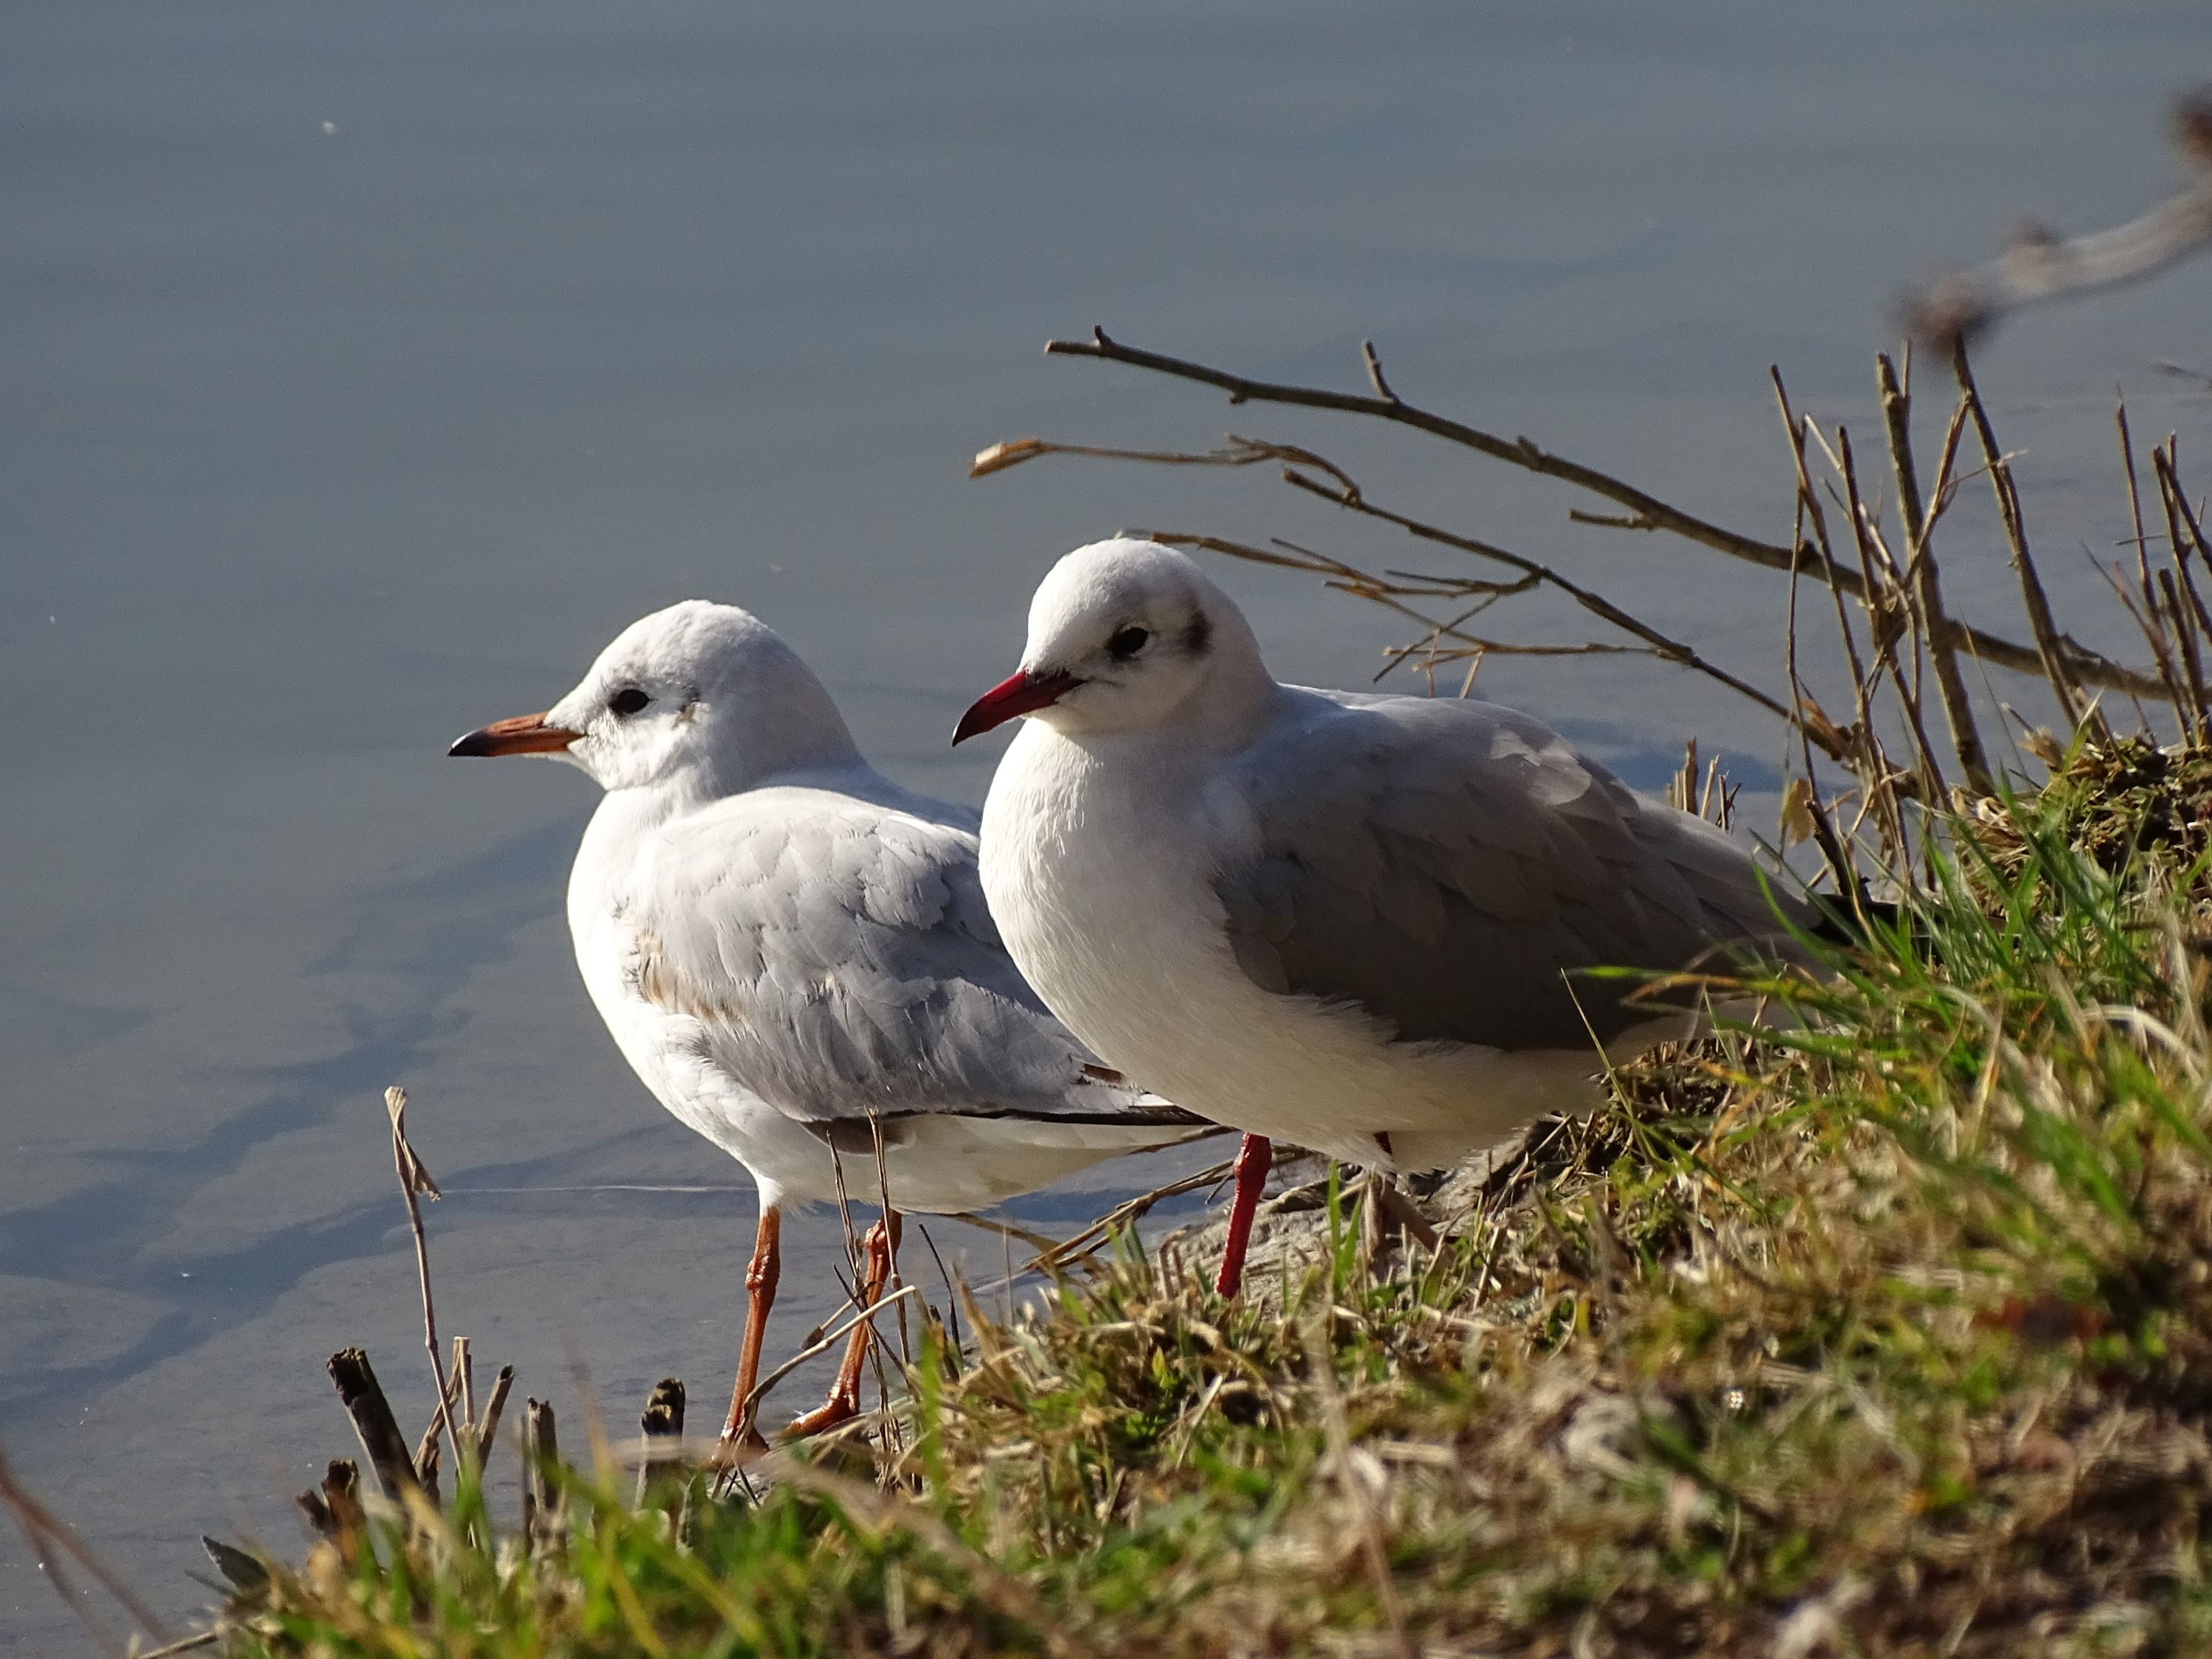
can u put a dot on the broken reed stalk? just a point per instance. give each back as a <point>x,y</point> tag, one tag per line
<point>2193,679</point>
<point>2149,616</point>
<point>2183,530</point>
<point>542,1521</point>
<point>426,1449</point>
<point>374,1425</point>
<point>1863,751</point>
<point>415,1181</point>
<point>1801,794</point>
<point>661,1424</point>
<point>488,1430</point>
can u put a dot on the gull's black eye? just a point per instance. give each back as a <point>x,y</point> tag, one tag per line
<point>1126,643</point>
<point>628,701</point>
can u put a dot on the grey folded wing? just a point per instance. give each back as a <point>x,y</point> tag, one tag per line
<point>841,962</point>
<point>1451,867</point>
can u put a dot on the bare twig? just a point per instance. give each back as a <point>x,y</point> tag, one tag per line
<point>1927,589</point>
<point>2047,639</point>
<point>415,1183</point>
<point>822,1345</point>
<point>2041,265</point>
<point>1647,512</point>
<point>1048,1261</point>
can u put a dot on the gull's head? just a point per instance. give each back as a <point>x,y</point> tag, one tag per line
<point>1125,635</point>
<point>705,694</point>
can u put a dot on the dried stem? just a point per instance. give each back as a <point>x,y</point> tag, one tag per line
<point>1646,511</point>
<point>2041,265</point>
<point>2047,641</point>
<point>1934,621</point>
<point>415,1181</point>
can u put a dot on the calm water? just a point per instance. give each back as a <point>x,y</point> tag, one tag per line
<point>366,367</point>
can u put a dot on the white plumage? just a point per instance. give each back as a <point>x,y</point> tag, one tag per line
<point>793,952</point>
<point>1353,922</point>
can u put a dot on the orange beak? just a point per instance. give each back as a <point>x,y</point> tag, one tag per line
<point>526,734</point>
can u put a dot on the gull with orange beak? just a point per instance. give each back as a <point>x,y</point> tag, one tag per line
<point>795,954</point>
<point>1360,923</point>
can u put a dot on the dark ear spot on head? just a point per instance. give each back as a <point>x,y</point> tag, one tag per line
<point>1198,635</point>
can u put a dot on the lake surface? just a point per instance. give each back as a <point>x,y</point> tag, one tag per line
<point>367,367</point>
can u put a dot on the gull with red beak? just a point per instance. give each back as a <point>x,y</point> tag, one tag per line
<point>795,954</point>
<point>1358,923</point>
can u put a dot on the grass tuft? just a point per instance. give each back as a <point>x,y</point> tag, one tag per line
<point>1885,1330</point>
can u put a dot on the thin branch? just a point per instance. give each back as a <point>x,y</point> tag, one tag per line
<point>1344,492</point>
<point>1366,586</point>
<point>1051,1260</point>
<point>1926,589</point>
<point>2041,264</point>
<point>415,1181</point>
<point>1375,373</point>
<point>2038,603</point>
<point>828,1340</point>
<point>1647,512</point>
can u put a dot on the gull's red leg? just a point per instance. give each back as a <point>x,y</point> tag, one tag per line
<point>1254,1155</point>
<point>761,1275</point>
<point>844,1401</point>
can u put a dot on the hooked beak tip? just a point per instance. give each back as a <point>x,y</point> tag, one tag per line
<point>1019,693</point>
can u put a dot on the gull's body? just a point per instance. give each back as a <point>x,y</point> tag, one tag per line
<point>795,953</point>
<point>1358,923</point>
<point>781,964</point>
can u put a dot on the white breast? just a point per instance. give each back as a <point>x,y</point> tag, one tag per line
<point>1100,877</point>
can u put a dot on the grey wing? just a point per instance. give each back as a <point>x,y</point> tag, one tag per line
<point>842,962</point>
<point>1449,866</point>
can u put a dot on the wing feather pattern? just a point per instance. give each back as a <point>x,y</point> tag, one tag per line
<point>839,961</point>
<point>1447,867</point>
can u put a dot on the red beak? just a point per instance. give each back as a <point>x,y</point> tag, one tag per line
<point>1017,694</point>
<point>526,734</point>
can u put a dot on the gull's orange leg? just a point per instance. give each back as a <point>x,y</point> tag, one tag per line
<point>761,1276</point>
<point>1254,1155</point>
<point>844,1401</point>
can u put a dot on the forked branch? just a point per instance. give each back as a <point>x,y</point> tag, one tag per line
<point>1646,512</point>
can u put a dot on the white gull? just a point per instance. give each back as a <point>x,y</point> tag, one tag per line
<point>1358,923</point>
<point>794,954</point>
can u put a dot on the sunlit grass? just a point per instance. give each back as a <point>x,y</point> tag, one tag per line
<point>1890,1321</point>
